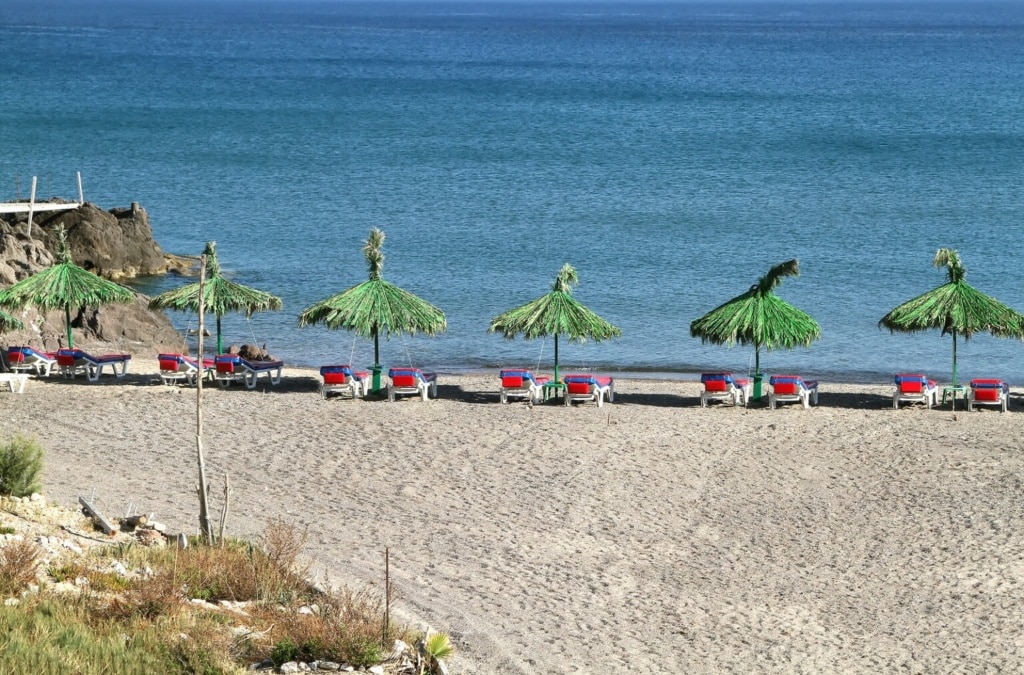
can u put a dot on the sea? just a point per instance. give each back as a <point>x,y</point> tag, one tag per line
<point>671,152</point>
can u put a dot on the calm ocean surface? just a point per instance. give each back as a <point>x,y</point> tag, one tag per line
<point>671,152</point>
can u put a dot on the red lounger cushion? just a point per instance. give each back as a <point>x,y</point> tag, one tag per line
<point>716,385</point>
<point>987,394</point>
<point>510,382</point>
<point>404,380</point>
<point>579,387</point>
<point>786,388</point>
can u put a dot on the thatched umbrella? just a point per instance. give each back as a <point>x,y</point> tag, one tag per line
<point>376,306</point>
<point>955,308</point>
<point>759,318</point>
<point>64,285</point>
<point>556,313</point>
<point>220,296</point>
<point>8,322</point>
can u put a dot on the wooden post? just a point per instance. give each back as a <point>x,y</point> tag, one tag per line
<point>31,206</point>
<point>387,593</point>
<point>100,519</point>
<point>204,511</point>
<point>224,513</point>
<point>135,521</point>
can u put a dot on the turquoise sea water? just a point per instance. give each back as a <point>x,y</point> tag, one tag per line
<point>671,152</point>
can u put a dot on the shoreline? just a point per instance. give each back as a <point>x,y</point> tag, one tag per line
<point>649,535</point>
<point>856,378</point>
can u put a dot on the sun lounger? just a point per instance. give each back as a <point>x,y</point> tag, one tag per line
<point>342,379</point>
<point>588,388</point>
<point>792,389</point>
<point>73,362</point>
<point>724,387</point>
<point>14,381</point>
<point>26,360</point>
<point>176,368</point>
<point>521,383</point>
<point>230,368</point>
<point>915,388</point>
<point>411,382</point>
<point>988,392</point>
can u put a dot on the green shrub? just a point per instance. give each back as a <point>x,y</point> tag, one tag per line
<point>21,466</point>
<point>284,651</point>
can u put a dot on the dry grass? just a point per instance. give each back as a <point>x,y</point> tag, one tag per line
<point>342,626</point>
<point>282,617</point>
<point>19,562</point>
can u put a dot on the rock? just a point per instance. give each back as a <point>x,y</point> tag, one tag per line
<point>290,667</point>
<point>149,537</point>
<point>116,245</point>
<point>377,670</point>
<point>397,650</point>
<point>236,606</point>
<point>330,666</point>
<point>265,664</point>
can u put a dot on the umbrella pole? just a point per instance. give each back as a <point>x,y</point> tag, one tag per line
<point>757,373</point>
<point>67,322</point>
<point>954,371</point>
<point>954,364</point>
<point>376,362</point>
<point>220,340</point>
<point>556,358</point>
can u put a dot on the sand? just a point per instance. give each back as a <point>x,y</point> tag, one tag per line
<point>647,536</point>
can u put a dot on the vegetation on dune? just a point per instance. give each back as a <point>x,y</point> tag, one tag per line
<point>258,605</point>
<point>21,466</point>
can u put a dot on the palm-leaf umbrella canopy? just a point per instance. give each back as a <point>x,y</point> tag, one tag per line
<point>64,285</point>
<point>955,308</point>
<point>376,307</point>
<point>220,296</point>
<point>8,322</point>
<point>556,313</point>
<point>760,318</point>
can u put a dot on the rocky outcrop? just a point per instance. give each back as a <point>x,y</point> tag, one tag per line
<point>116,244</point>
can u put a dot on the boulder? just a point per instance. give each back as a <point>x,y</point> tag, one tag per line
<point>116,244</point>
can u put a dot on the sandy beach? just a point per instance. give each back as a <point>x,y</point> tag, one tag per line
<point>647,536</point>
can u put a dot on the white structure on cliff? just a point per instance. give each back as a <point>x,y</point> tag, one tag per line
<point>30,207</point>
